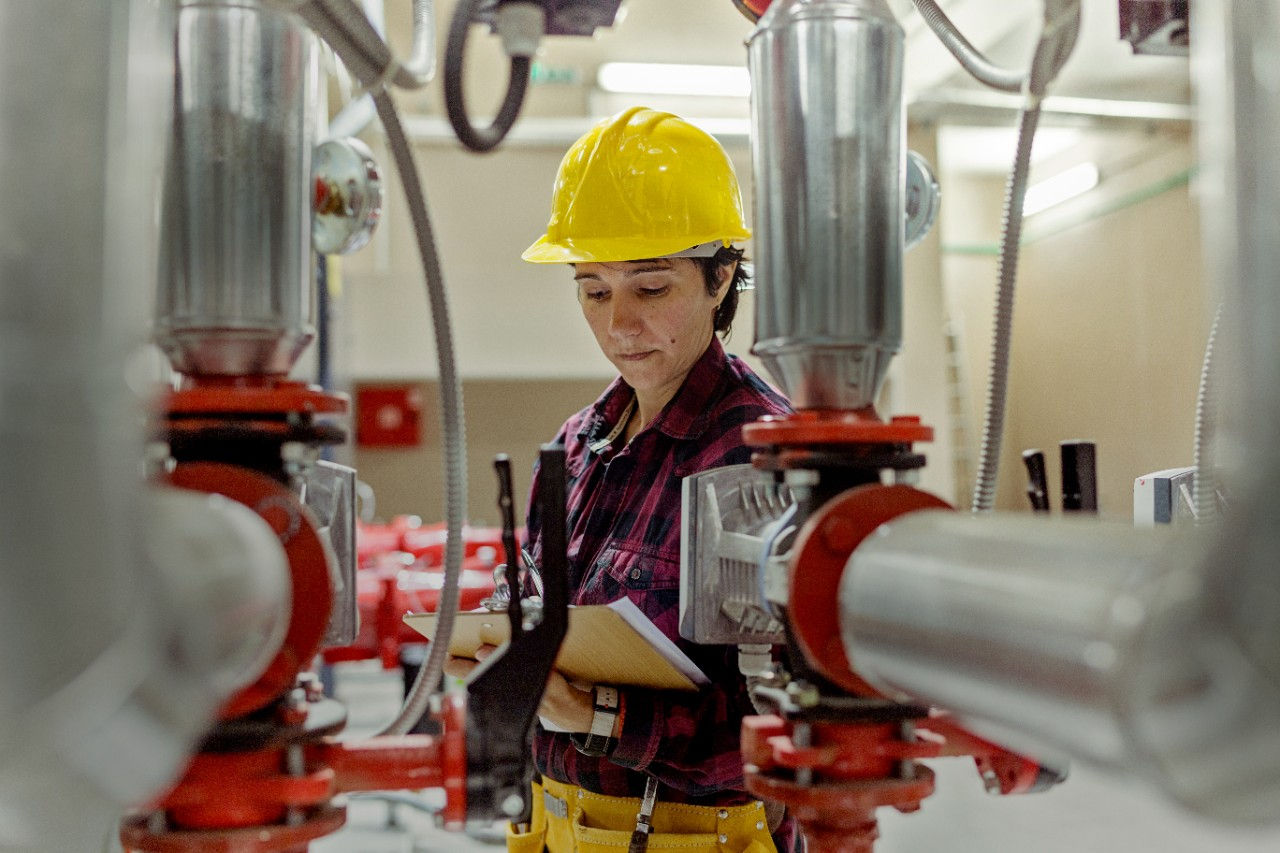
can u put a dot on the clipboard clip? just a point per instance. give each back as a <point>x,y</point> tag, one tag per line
<point>531,590</point>
<point>504,691</point>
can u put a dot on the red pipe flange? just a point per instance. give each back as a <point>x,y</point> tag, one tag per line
<point>312,594</point>
<point>820,427</point>
<point>247,395</point>
<point>822,549</point>
<point>135,835</point>
<point>853,769</point>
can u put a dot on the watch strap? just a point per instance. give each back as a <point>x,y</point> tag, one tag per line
<point>599,741</point>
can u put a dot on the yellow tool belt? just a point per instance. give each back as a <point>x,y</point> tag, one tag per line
<point>569,819</point>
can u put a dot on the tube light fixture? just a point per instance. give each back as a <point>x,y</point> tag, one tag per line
<point>1065,185</point>
<point>650,78</point>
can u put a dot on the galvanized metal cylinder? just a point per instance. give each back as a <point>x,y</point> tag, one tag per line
<point>236,292</point>
<point>1074,637</point>
<point>107,669</point>
<point>1010,621</point>
<point>829,159</point>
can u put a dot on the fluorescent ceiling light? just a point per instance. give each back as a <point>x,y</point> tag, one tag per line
<point>990,150</point>
<point>1063,186</point>
<point>640,78</point>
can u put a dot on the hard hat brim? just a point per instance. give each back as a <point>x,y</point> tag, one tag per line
<point>605,250</point>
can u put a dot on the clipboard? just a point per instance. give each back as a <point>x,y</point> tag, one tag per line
<point>605,644</point>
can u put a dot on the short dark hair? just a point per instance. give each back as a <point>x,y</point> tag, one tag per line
<point>722,322</point>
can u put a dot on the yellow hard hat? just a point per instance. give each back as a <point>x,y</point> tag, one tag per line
<point>643,184</point>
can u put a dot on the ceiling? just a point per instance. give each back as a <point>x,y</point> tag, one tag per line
<point>713,32</point>
<point>1103,73</point>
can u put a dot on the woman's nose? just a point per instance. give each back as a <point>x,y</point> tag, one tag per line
<point>624,318</point>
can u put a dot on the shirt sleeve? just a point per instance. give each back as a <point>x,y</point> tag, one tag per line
<point>690,741</point>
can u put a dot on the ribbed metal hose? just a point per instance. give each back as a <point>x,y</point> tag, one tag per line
<point>366,54</point>
<point>422,54</point>
<point>1205,487</point>
<point>479,139</point>
<point>344,26</point>
<point>358,111</point>
<point>1057,37</point>
<point>972,60</point>
<point>984,489</point>
<point>347,29</point>
<point>451,415</point>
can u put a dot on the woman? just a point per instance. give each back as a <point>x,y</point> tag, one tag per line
<point>645,210</point>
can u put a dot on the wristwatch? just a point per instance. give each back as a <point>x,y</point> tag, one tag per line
<point>600,741</point>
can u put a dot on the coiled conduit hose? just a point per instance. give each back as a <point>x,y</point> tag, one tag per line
<point>344,25</point>
<point>1061,27</point>
<point>479,139</point>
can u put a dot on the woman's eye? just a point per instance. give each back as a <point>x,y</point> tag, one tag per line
<point>653,291</point>
<point>596,295</point>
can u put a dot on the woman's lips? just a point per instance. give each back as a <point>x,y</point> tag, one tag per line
<point>635,356</point>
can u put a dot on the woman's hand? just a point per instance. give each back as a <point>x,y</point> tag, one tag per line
<point>562,704</point>
<point>462,667</point>
<point>565,705</point>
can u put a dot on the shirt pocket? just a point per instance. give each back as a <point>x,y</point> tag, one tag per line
<point>650,580</point>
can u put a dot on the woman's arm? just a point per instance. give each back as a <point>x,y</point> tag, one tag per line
<point>690,741</point>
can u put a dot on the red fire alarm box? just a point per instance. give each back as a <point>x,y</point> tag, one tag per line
<point>388,415</point>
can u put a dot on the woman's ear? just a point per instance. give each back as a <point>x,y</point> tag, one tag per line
<point>724,276</point>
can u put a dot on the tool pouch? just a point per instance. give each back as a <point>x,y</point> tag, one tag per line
<point>568,819</point>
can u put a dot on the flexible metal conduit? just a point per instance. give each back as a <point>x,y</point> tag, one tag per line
<point>984,489</point>
<point>1156,651</point>
<point>981,68</point>
<point>349,32</point>
<point>1057,38</point>
<point>1205,487</point>
<point>481,139</point>
<point>451,414</point>
<point>359,111</point>
<point>344,26</point>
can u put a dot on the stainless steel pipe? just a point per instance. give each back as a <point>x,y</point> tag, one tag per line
<point>828,151</point>
<point>92,712</point>
<point>112,659</point>
<point>1157,654</point>
<point>236,292</point>
<point>1071,638</point>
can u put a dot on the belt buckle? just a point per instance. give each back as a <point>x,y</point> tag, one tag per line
<point>554,805</point>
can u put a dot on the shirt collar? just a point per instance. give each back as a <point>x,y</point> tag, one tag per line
<point>688,412</point>
<point>685,416</point>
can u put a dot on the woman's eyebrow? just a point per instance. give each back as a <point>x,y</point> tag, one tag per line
<point>646,267</point>
<point>586,276</point>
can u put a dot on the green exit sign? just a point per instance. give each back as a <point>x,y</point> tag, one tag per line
<point>554,75</point>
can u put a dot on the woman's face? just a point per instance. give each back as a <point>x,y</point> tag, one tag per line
<point>652,319</point>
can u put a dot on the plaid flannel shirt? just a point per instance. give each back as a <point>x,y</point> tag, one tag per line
<point>624,539</point>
